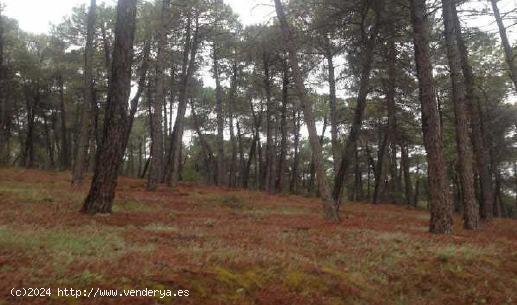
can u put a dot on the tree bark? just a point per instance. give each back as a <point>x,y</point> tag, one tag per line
<point>270,126</point>
<point>459,99</point>
<point>114,140</point>
<point>221,168</point>
<point>333,109</point>
<point>188,68</point>
<point>329,206</point>
<point>65,148</point>
<point>4,134</point>
<point>283,129</point>
<point>293,185</point>
<point>481,149</point>
<point>232,182</point>
<point>379,169</point>
<point>439,193</point>
<point>507,47</point>
<point>87,111</point>
<point>407,176</point>
<point>364,88</point>
<point>157,103</point>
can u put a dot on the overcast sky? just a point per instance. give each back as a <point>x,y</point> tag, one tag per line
<point>36,15</point>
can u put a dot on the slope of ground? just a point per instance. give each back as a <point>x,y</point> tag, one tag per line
<point>239,247</point>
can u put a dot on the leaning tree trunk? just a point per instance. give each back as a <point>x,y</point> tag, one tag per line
<point>114,139</point>
<point>87,111</point>
<point>157,103</point>
<point>507,47</point>
<point>188,67</point>
<point>364,88</point>
<point>459,99</point>
<point>439,193</point>
<point>329,206</point>
<point>481,149</point>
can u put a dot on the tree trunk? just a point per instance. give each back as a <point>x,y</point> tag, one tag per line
<point>4,113</point>
<point>364,88</point>
<point>507,47</point>
<point>208,152</point>
<point>439,193</point>
<point>283,129</point>
<point>379,169</point>
<point>481,149</point>
<point>221,168</point>
<point>232,182</point>
<point>32,102</point>
<point>293,185</point>
<point>405,170</point>
<point>333,109</point>
<point>114,140</point>
<point>242,163</point>
<point>86,109</point>
<point>391,58</point>
<point>188,68</point>
<point>270,126</point>
<point>157,103</point>
<point>459,99</point>
<point>329,206</point>
<point>65,148</point>
<point>254,145</point>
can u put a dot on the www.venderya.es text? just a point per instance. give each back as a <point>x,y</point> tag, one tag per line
<point>97,292</point>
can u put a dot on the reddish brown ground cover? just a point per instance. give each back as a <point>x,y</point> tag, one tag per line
<point>239,247</point>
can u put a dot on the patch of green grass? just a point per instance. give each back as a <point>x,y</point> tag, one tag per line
<point>27,194</point>
<point>85,241</point>
<point>130,206</point>
<point>463,252</point>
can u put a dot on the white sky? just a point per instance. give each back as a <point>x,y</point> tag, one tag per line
<point>36,15</point>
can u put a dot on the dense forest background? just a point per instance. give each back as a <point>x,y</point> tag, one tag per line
<point>387,101</point>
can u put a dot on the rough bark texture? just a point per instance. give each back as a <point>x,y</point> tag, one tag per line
<point>481,149</point>
<point>81,158</point>
<point>439,193</point>
<point>329,205</point>
<point>114,140</point>
<point>507,47</point>
<point>157,103</point>
<point>459,99</point>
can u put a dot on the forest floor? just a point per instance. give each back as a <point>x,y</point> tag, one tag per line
<point>239,247</point>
